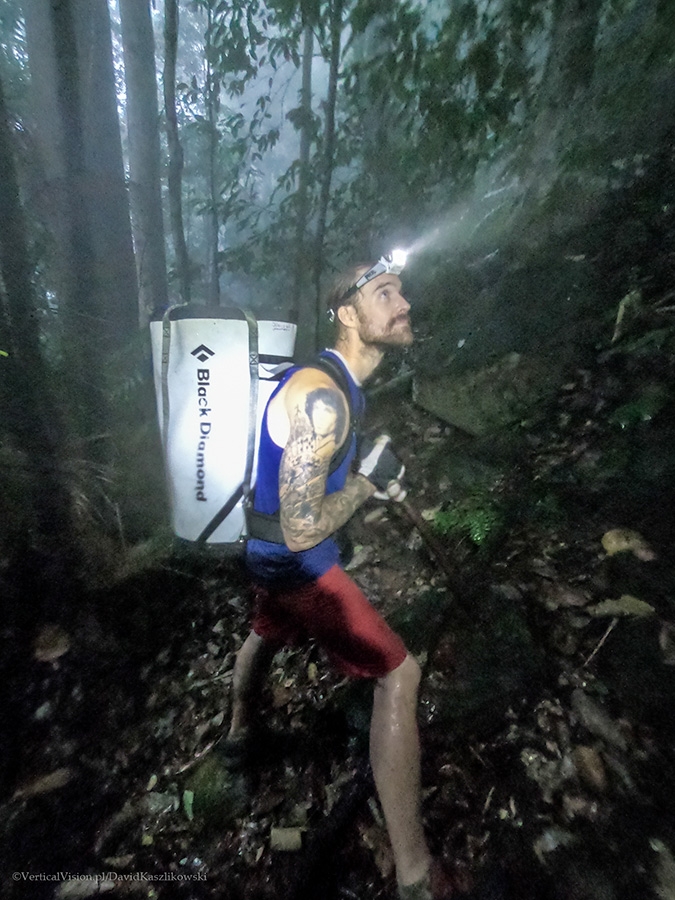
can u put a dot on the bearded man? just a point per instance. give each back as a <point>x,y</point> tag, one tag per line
<point>309,483</point>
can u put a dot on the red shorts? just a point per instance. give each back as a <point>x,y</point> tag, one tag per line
<point>337,614</point>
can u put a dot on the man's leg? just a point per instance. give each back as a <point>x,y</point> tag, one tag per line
<point>395,760</point>
<point>250,669</point>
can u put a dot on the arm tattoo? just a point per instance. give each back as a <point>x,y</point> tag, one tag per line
<point>318,428</point>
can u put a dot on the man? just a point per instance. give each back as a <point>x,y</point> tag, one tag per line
<point>301,590</point>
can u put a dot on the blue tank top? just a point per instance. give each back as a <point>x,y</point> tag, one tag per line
<point>270,562</point>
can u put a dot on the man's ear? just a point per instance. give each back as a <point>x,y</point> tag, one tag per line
<point>347,315</point>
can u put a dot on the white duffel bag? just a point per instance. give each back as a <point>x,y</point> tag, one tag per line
<point>214,369</point>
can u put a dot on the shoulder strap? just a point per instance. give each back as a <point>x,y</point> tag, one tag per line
<point>245,487</point>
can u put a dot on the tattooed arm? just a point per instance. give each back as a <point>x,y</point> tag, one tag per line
<point>319,424</point>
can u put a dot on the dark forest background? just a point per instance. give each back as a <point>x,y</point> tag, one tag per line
<point>157,152</point>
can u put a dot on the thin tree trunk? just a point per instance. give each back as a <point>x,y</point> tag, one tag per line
<point>175,149</point>
<point>212,91</point>
<point>307,334</point>
<point>144,165</point>
<point>336,10</point>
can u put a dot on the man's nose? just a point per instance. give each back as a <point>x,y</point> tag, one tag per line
<point>405,306</point>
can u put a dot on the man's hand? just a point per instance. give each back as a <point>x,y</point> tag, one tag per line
<point>383,469</point>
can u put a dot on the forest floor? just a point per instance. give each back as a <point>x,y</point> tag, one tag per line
<point>546,709</point>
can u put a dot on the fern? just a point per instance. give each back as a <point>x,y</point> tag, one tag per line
<point>477,517</point>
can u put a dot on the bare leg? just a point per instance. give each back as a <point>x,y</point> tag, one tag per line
<point>395,760</point>
<point>250,669</point>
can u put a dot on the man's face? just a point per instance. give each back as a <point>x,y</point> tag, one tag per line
<point>382,312</point>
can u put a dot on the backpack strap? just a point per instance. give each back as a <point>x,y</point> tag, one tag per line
<point>244,489</point>
<point>266,526</point>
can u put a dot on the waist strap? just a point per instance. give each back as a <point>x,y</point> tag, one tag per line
<point>263,526</point>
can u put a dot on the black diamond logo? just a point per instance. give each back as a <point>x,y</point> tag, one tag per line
<point>202,352</point>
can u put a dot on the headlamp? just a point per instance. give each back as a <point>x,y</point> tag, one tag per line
<point>393,262</point>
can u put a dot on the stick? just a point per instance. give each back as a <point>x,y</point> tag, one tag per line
<point>602,640</point>
<point>456,582</point>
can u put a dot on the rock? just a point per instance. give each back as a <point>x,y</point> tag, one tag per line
<point>485,400</point>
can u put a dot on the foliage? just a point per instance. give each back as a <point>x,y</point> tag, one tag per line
<point>479,516</point>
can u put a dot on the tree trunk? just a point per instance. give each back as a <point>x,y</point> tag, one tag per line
<point>307,334</point>
<point>175,149</point>
<point>212,98</point>
<point>72,80</point>
<point>57,94</point>
<point>336,8</point>
<point>30,417</point>
<point>144,159</point>
<point>104,179</point>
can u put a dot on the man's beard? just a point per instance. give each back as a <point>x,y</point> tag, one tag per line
<point>393,334</point>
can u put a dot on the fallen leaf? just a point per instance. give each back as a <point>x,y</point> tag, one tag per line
<point>120,862</point>
<point>667,643</point>
<point>281,695</point>
<point>626,605</point>
<point>44,784</point>
<point>51,643</point>
<point>551,839</point>
<point>360,557</point>
<point>590,767</point>
<point>594,719</point>
<point>557,594</point>
<point>624,540</point>
<point>374,515</point>
<point>286,840</point>
<point>430,514</point>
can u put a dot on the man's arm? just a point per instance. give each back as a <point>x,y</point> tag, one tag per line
<point>319,424</point>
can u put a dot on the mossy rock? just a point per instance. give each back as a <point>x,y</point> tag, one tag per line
<point>486,400</point>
